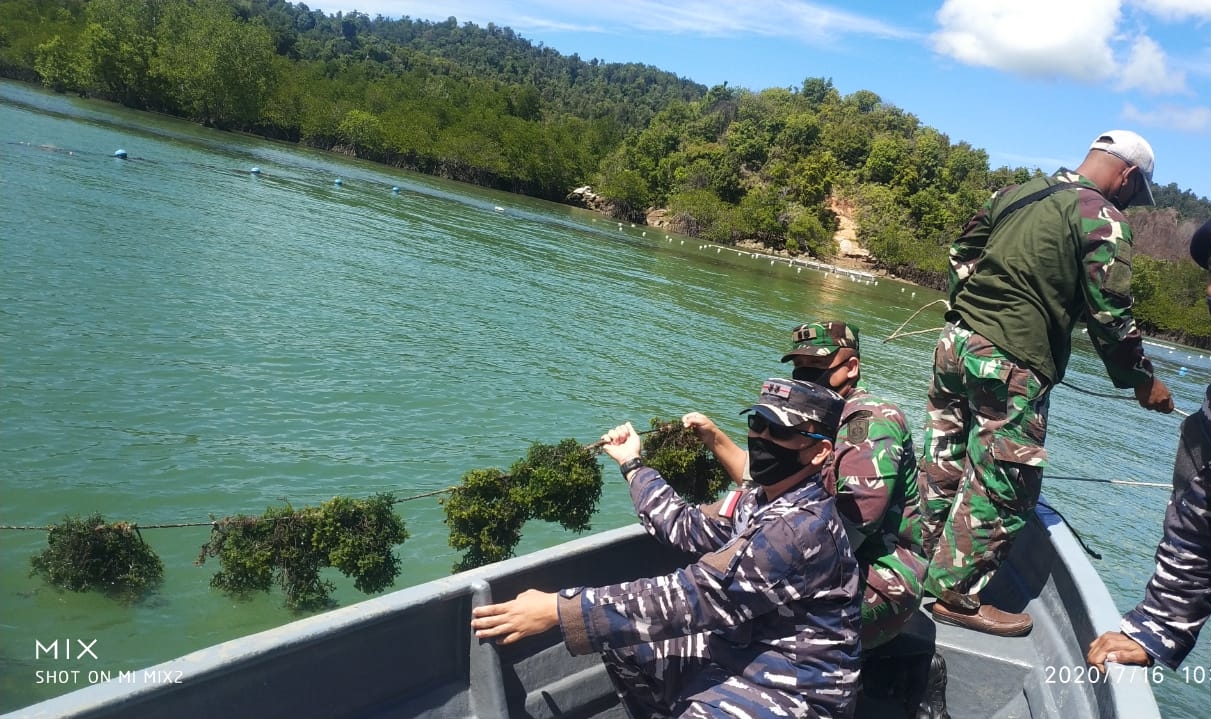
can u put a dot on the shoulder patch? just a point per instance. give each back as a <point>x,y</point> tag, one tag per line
<point>857,430</point>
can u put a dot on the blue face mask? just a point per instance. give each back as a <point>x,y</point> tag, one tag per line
<point>769,462</point>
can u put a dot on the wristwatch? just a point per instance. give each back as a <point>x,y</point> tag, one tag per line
<point>630,466</point>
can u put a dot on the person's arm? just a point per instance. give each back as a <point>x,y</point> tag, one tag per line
<point>663,513</point>
<point>966,251</point>
<point>871,454</point>
<point>731,456</point>
<point>1177,600</point>
<point>1106,259</point>
<point>751,576</point>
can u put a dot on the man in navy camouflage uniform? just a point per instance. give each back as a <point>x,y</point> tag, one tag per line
<point>765,623</point>
<point>1035,260</point>
<point>873,474</point>
<point>1177,601</point>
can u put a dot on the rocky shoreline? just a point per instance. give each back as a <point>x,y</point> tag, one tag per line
<point>851,256</point>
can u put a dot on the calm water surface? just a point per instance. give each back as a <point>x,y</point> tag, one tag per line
<point>183,338</point>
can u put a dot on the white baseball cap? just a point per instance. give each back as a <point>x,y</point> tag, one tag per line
<point>1133,150</point>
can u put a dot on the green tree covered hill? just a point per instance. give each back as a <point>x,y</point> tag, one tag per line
<point>486,106</point>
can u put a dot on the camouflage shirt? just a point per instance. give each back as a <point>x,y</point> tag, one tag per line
<point>1177,601</point>
<point>1024,279</point>
<point>875,473</point>
<point>776,588</point>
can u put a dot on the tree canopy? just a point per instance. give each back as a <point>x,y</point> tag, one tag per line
<point>486,106</point>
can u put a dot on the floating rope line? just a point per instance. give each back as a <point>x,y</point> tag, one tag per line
<point>1109,395</point>
<point>1127,482</point>
<point>214,522</point>
<point>897,334</point>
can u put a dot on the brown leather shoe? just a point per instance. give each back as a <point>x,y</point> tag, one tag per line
<point>986,618</point>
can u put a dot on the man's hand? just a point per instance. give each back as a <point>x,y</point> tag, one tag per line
<point>1118,648</point>
<point>703,427</point>
<point>622,443</point>
<point>531,612</point>
<point>1154,395</point>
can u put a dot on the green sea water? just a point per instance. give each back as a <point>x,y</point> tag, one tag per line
<point>182,339</point>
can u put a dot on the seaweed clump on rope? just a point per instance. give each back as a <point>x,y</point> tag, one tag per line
<point>92,554</point>
<point>290,547</point>
<point>555,483</point>
<point>684,462</point>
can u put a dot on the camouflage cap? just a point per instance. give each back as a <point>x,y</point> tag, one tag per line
<point>789,402</point>
<point>821,339</point>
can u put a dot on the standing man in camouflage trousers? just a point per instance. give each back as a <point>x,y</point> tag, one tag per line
<point>1177,601</point>
<point>1036,259</point>
<point>765,623</point>
<point>873,474</point>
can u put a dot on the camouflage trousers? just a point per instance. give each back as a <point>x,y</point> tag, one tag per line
<point>983,464</point>
<point>676,678</point>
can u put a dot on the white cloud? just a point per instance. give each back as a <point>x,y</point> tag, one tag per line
<point>1175,10</point>
<point>1036,38</point>
<point>1170,117</point>
<point>1083,40</point>
<point>1146,69</point>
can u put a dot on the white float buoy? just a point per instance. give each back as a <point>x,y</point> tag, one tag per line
<point>395,189</point>
<point>120,154</point>
<point>337,181</point>
<point>255,170</point>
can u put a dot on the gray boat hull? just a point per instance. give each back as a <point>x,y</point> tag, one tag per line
<point>411,654</point>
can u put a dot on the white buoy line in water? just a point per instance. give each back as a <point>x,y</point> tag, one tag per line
<point>798,263</point>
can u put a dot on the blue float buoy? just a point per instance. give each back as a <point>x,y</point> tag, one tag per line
<point>1183,371</point>
<point>255,170</point>
<point>337,181</point>
<point>395,190</point>
<point>121,154</point>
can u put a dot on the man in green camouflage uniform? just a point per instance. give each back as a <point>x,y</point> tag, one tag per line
<point>1033,261</point>
<point>873,474</point>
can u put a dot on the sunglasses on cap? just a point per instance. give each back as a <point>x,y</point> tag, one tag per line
<point>758,424</point>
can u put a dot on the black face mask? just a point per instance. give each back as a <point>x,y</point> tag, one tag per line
<point>812,374</point>
<point>770,463</point>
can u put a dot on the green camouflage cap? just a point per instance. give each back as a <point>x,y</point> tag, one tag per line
<point>821,339</point>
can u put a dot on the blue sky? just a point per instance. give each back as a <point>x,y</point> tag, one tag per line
<point>1032,82</point>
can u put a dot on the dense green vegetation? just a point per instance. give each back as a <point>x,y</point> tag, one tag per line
<point>486,106</point>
